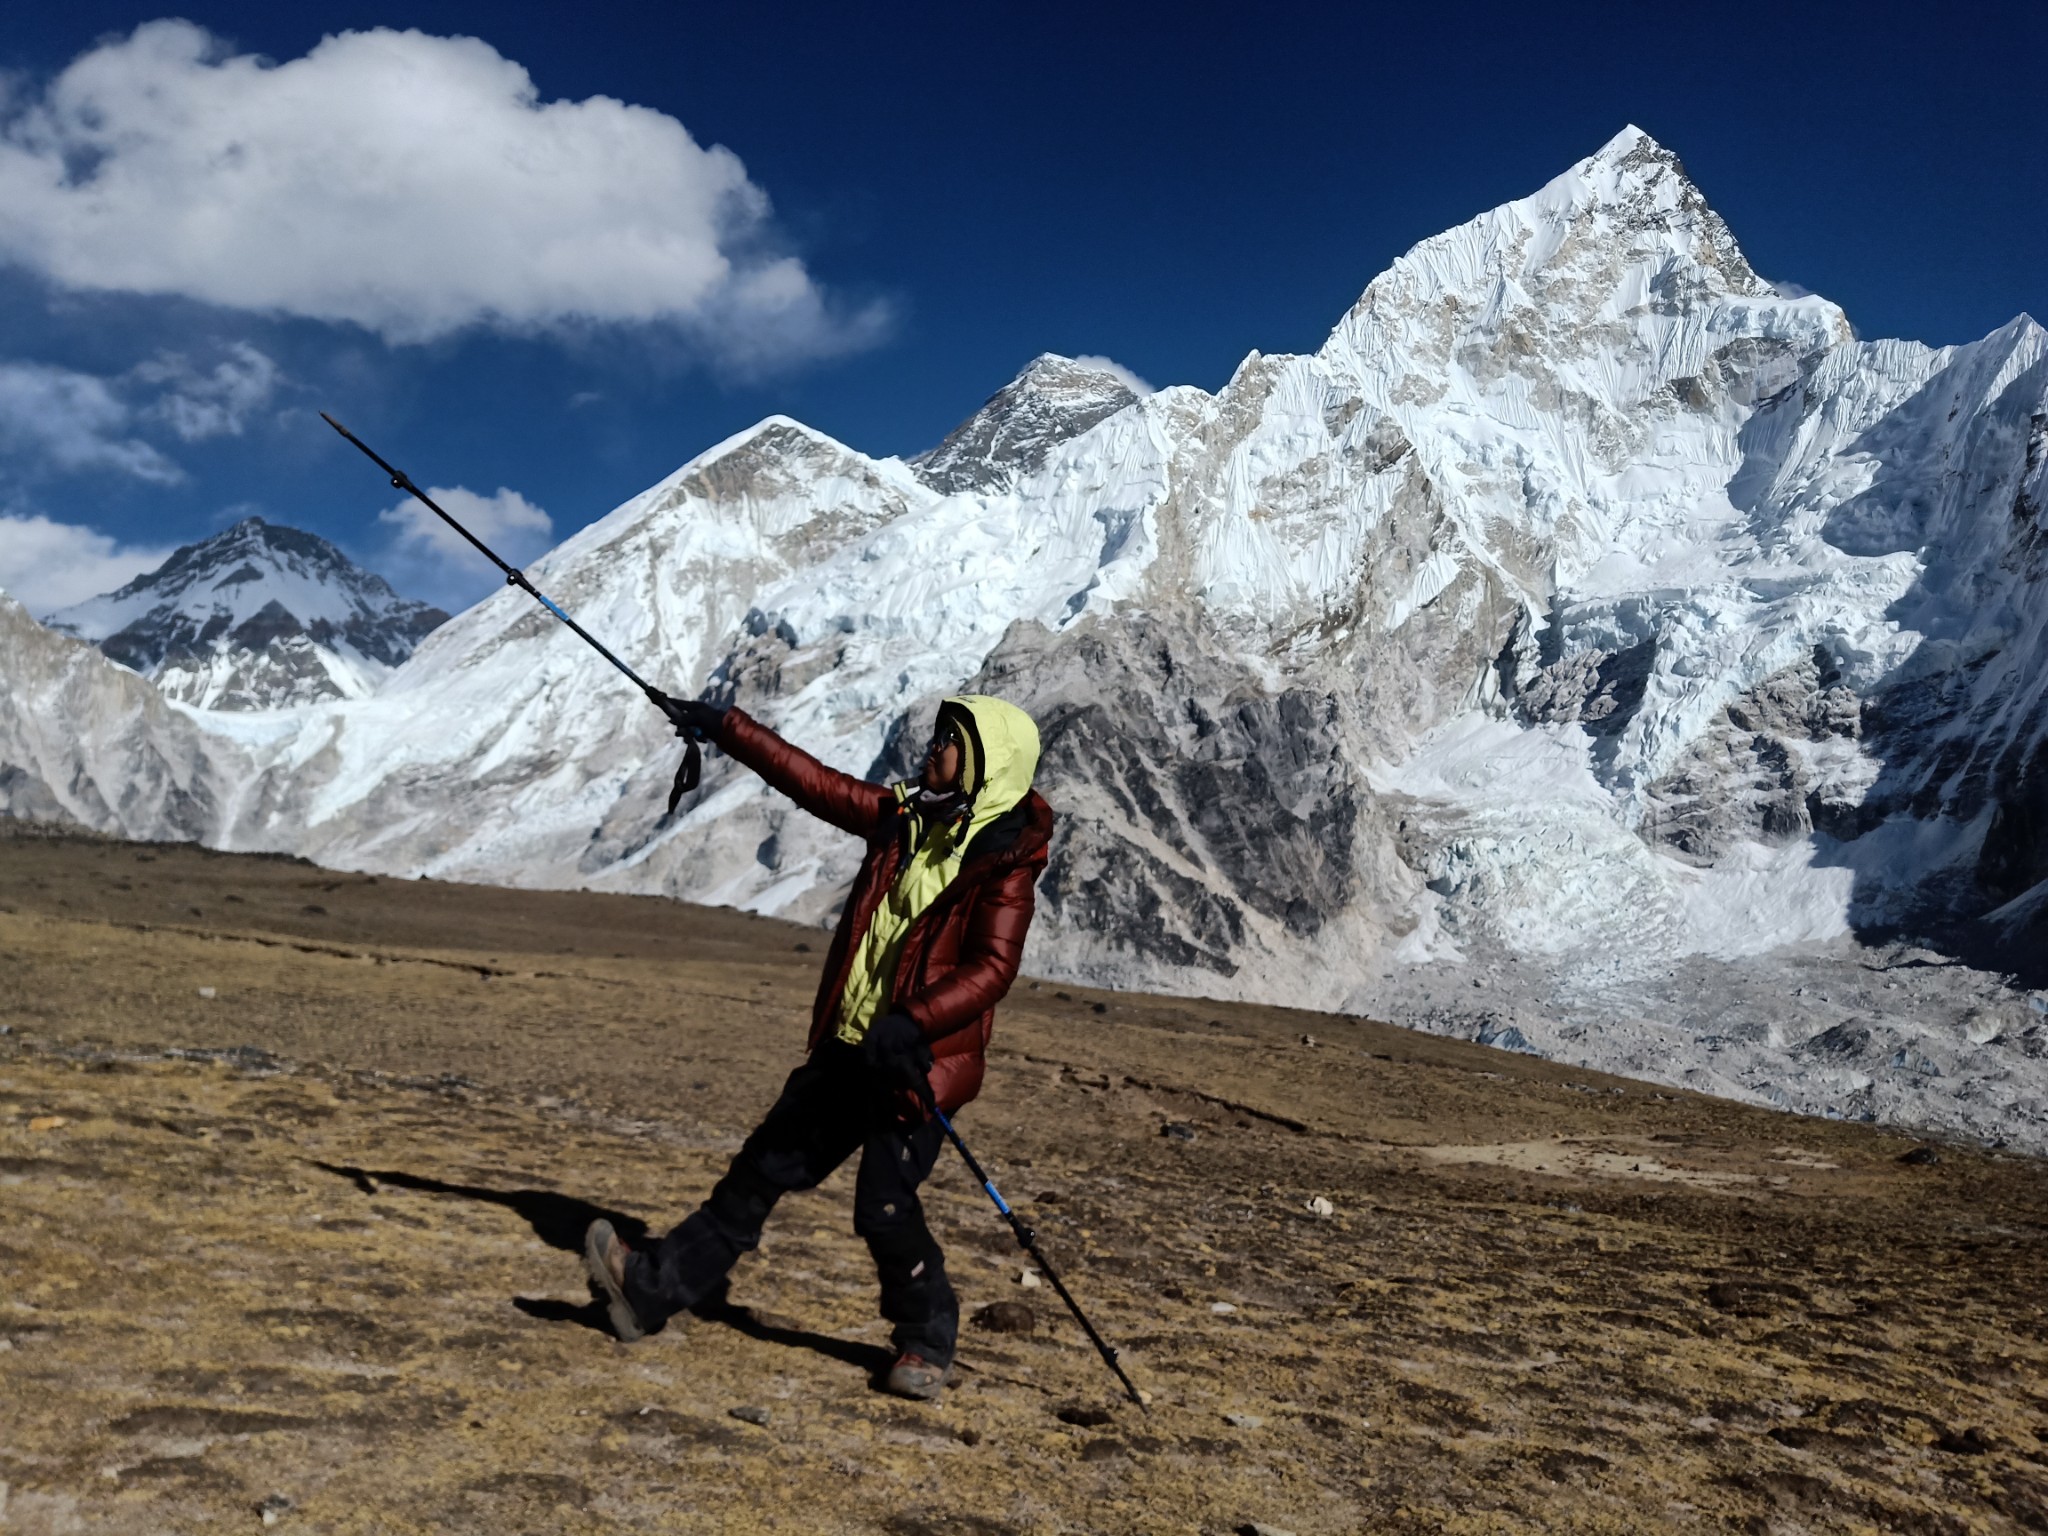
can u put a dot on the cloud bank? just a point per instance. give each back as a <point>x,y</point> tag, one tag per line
<point>49,565</point>
<point>55,418</point>
<point>198,404</point>
<point>410,184</point>
<point>425,558</point>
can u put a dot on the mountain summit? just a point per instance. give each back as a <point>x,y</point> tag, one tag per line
<point>1055,398</point>
<point>257,617</point>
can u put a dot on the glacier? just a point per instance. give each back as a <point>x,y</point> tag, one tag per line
<point>1586,619</point>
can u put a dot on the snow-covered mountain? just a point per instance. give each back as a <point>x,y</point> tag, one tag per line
<point>86,741</point>
<point>257,617</point>
<point>1583,605</point>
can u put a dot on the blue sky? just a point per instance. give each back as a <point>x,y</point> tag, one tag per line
<point>865,217</point>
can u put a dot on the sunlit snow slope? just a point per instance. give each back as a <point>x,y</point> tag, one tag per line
<point>1583,595</point>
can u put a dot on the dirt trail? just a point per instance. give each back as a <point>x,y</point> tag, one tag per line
<point>293,1165</point>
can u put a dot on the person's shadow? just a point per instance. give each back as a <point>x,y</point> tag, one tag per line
<point>561,1220</point>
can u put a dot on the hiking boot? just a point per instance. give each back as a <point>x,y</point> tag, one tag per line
<point>914,1376</point>
<point>604,1255</point>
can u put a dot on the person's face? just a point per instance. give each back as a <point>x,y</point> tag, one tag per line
<point>942,761</point>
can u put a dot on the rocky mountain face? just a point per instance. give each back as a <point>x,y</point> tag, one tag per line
<point>83,740</point>
<point>1010,437</point>
<point>1583,609</point>
<point>256,617</point>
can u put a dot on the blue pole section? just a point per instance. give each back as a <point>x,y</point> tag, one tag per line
<point>986,1182</point>
<point>1028,1241</point>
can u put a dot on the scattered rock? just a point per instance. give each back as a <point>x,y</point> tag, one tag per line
<point>1004,1317</point>
<point>1244,1421</point>
<point>747,1413</point>
<point>1798,1436</point>
<point>1176,1130</point>
<point>207,992</point>
<point>1983,1027</point>
<point>273,1509</point>
<point>1753,1296</point>
<point>1028,1278</point>
<point>1308,1040</point>
<point>1907,1060</point>
<point>1504,1037</point>
<point>1102,1450</point>
<point>1920,1157</point>
<point>1320,1208</point>
<point>1844,1042</point>
<point>1084,1418</point>
<point>48,1123</point>
<point>1221,1308</point>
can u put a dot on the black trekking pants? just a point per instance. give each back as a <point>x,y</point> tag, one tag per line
<point>831,1106</point>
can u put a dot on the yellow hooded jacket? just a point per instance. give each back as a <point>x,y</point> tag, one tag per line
<point>999,757</point>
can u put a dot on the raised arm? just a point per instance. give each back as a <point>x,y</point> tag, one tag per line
<point>853,805</point>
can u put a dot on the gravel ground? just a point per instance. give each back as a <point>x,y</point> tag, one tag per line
<point>293,1166</point>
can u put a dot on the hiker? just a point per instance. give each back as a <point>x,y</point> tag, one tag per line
<point>928,943</point>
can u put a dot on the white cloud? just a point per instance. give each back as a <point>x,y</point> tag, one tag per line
<point>49,565</point>
<point>427,559</point>
<point>1131,381</point>
<point>407,183</point>
<point>57,418</point>
<point>198,405</point>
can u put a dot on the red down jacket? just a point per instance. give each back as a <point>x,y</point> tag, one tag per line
<point>962,952</point>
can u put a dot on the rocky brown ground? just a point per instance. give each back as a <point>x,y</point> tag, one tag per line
<point>293,1166</point>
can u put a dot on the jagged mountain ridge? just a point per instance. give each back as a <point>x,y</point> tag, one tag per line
<point>259,616</point>
<point>1583,598</point>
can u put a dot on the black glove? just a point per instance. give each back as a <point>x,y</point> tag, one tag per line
<point>895,1052</point>
<point>692,718</point>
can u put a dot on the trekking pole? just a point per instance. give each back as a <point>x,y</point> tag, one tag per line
<point>1028,1241</point>
<point>692,764</point>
